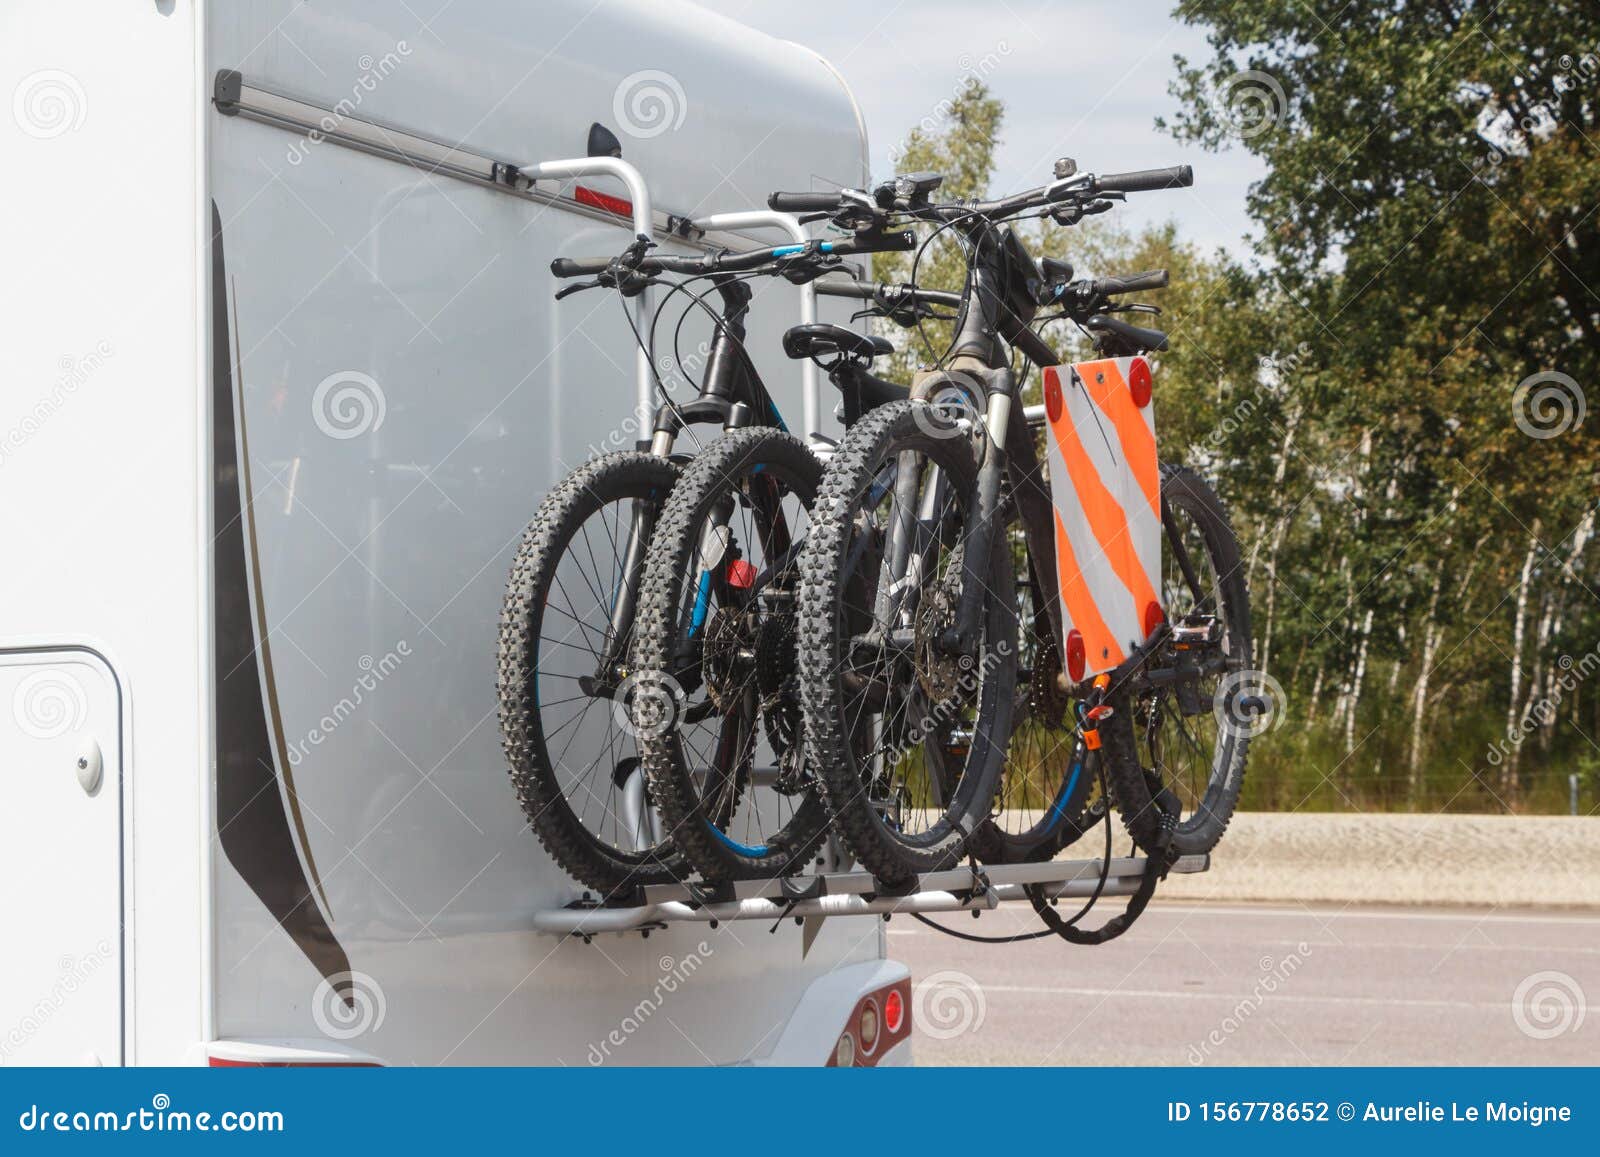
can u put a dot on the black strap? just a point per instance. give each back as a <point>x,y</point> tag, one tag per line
<point>1158,860</point>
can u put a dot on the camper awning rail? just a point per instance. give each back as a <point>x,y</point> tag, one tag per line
<point>234,95</point>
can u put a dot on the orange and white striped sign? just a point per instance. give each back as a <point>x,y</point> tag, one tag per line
<point>1105,484</point>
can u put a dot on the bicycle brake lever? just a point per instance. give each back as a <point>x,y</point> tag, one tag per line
<point>579,287</point>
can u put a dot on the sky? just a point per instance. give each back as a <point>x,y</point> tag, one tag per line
<point>1080,78</point>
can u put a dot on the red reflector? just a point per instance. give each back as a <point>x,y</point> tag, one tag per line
<point>741,574</point>
<point>1139,382</point>
<point>598,200</point>
<point>1077,658</point>
<point>894,1011</point>
<point>1153,618</point>
<point>1052,395</point>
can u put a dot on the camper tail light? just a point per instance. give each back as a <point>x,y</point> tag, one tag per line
<point>867,1026</point>
<point>844,1056</point>
<point>894,1011</point>
<point>258,1054</point>
<point>879,1021</point>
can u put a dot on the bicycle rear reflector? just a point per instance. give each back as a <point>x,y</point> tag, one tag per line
<point>1106,487</point>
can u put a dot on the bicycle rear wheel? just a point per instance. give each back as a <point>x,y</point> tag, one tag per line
<point>1187,735</point>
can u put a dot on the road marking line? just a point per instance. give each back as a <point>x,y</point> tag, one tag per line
<point>1240,997</point>
<point>1342,914</point>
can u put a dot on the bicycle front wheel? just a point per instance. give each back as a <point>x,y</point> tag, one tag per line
<point>907,733</point>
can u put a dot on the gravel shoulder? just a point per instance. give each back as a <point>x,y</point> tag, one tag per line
<point>1465,860</point>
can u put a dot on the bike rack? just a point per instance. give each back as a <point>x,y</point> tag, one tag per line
<point>968,889</point>
<point>646,397</point>
<point>810,389</point>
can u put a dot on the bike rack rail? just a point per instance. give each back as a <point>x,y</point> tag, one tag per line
<point>646,396</point>
<point>964,889</point>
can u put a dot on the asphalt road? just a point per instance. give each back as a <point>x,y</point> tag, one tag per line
<point>1263,985</point>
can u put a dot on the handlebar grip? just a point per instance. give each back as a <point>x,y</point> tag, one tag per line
<point>803,202</point>
<point>839,287</point>
<point>1144,180</point>
<point>579,266</point>
<point>1132,283</point>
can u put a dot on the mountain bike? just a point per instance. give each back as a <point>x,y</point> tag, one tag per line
<point>716,630</point>
<point>908,599</point>
<point>569,723</point>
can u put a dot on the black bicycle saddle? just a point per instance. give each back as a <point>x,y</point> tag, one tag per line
<point>820,339</point>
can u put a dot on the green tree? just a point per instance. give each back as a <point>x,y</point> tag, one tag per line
<point>961,148</point>
<point>1430,215</point>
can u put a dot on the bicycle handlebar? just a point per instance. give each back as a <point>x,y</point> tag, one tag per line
<point>731,262</point>
<point>1144,180</point>
<point>579,266</point>
<point>1132,283</point>
<point>872,291</point>
<point>804,202</point>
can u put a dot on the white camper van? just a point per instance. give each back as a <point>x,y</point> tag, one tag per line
<point>283,381</point>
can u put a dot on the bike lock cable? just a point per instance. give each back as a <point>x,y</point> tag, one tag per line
<point>1157,862</point>
<point>1099,890</point>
